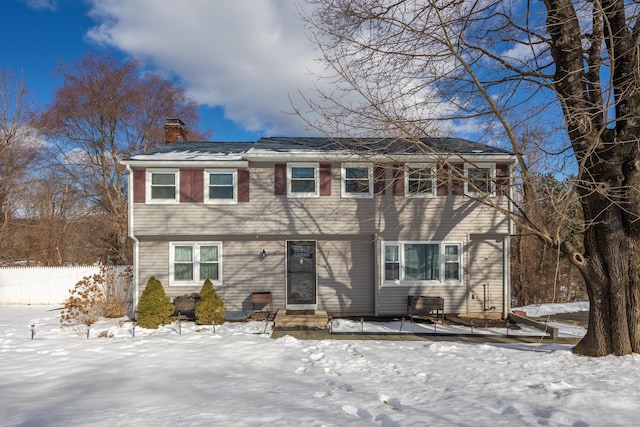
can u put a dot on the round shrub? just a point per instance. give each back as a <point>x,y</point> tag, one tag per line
<point>155,307</point>
<point>210,307</point>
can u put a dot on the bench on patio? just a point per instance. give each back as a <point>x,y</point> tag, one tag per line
<point>421,304</point>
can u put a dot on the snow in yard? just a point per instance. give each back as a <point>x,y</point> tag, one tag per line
<point>239,376</point>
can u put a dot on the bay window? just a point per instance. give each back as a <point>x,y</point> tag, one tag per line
<point>422,263</point>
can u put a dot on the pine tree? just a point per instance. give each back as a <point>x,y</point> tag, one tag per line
<point>155,307</point>
<point>210,307</point>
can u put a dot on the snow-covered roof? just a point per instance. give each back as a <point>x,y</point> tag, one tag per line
<point>292,147</point>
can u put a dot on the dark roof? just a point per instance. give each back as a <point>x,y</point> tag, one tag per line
<point>384,146</point>
<point>378,145</point>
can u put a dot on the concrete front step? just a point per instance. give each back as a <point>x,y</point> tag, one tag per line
<point>316,320</point>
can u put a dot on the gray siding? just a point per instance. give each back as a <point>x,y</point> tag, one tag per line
<point>346,276</point>
<point>345,270</point>
<point>266,214</point>
<point>349,231</point>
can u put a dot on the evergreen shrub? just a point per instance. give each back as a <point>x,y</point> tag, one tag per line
<point>210,307</point>
<point>155,307</point>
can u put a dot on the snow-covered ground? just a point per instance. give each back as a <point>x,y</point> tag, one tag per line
<point>238,376</point>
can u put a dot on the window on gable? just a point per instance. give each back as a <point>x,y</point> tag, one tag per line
<point>221,186</point>
<point>357,180</point>
<point>420,181</point>
<point>302,180</point>
<point>193,263</point>
<point>479,180</point>
<point>162,186</point>
<point>417,263</point>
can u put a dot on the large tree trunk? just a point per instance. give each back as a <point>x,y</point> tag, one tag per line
<point>610,262</point>
<point>611,316</point>
<point>606,148</point>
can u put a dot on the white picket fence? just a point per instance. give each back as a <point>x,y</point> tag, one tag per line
<point>42,285</point>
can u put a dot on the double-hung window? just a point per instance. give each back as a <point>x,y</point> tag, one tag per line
<point>221,186</point>
<point>357,180</point>
<point>420,181</point>
<point>302,180</point>
<point>193,263</point>
<point>479,180</point>
<point>422,263</point>
<point>163,185</point>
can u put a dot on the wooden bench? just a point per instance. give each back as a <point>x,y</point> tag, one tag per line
<point>421,304</point>
<point>260,300</point>
<point>261,307</point>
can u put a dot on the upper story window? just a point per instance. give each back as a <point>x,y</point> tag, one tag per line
<point>479,180</point>
<point>357,180</point>
<point>302,180</point>
<point>221,186</point>
<point>163,185</point>
<point>417,263</point>
<point>193,263</point>
<point>420,180</point>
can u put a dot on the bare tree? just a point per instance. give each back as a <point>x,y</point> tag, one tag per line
<point>103,112</point>
<point>18,150</point>
<point>540,273</point>
<point>408,65</point>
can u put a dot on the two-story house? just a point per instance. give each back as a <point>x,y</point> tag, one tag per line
<point>346,226</point>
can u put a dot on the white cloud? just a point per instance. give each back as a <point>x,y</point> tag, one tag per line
<point>248,57</point>
<point>42,4</point>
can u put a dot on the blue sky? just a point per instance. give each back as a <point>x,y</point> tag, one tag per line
<point>242,60</point>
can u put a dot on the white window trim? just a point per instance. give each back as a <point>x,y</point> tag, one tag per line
<point>196,263</point>
<point>316,172</point>
<point>148,179</point>
<point>442,282</point>
<point>210,201</point>
<point>343,180</point>
<point>434,189</point>
<point>492,177</point>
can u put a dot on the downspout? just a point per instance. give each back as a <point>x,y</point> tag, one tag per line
<point>136,244</point>
<point>378,271</point>
<point>506,277</point>
<point>506,248</point>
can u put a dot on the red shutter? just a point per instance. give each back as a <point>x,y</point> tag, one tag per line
<point>280,179</point>
<point>191,185</point>
<point>325,179</point>
<point>243,185</point>
<point>457,179</point>
<point>185,186</point>
<point>197,186</point>
<point>139,187</point>
<point>379,183</point>
<point>398,180</point>
<point>502,179</point>
<point>442,180</point>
